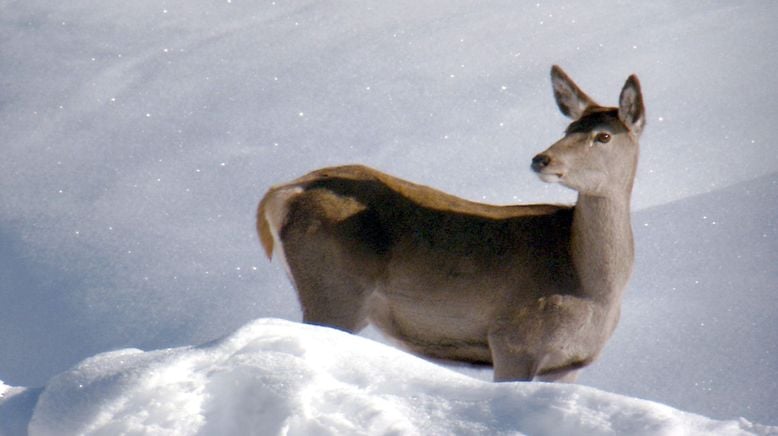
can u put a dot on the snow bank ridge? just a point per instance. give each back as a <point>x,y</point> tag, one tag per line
<point>279,377</point>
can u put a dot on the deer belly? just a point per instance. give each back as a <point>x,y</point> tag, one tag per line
<point>439,324</point>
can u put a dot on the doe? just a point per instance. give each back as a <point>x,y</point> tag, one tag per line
<point>534,290</point>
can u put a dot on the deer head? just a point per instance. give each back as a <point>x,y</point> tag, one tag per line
<point>598,154</point>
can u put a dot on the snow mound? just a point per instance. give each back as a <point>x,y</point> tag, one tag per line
<point>279,377</point>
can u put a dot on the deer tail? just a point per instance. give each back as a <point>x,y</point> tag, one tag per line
<point>271,216</point>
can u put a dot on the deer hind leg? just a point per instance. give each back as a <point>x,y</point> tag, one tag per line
<point>331,291</point>
<point>333,275</point>
<point>334,303</point>
<point>550,339</point>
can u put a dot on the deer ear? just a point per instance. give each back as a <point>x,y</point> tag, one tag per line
<point>571,100</point>
<point>631,110</point>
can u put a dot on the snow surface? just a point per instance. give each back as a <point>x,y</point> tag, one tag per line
<point>137,138</point>
<point>277,377</point>
<point>700,312</point>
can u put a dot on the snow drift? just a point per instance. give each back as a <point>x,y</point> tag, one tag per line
<point>277,377</point>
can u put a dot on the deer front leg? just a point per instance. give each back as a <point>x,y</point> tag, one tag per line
<point>561,376</point>
<point>510,364</point>
<point>551,339</point>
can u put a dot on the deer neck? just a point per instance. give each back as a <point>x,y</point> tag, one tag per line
<point>602,246</point>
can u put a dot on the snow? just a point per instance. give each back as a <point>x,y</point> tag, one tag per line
<point>138,137</point>
<point>705,282</point>
<point>278,377</point>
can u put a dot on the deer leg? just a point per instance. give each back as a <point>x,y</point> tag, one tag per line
<point>563,376</point>
<point>550,339</point>
<point>332,291</point>
<point>511,364</point>
<point>330,294</point>
<point>338,305</point>
<point>513,358</point>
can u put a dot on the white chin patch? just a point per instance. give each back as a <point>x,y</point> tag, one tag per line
<point>550,178</point>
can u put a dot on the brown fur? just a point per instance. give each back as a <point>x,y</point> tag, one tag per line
<point>534,290</point>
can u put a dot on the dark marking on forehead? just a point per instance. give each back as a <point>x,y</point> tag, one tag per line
<point>596,117</point>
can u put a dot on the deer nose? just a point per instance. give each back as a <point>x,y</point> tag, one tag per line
<point>539,162</point>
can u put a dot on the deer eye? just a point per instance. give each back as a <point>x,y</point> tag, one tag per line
<point>603,137</point>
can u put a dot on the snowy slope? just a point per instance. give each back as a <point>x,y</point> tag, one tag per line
<point>698,322</point>
<point>138,136</point>
<point>653,364</point>
<point>277,377</point>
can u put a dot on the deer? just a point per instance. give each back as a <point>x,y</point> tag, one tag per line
<point>532,290</point>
